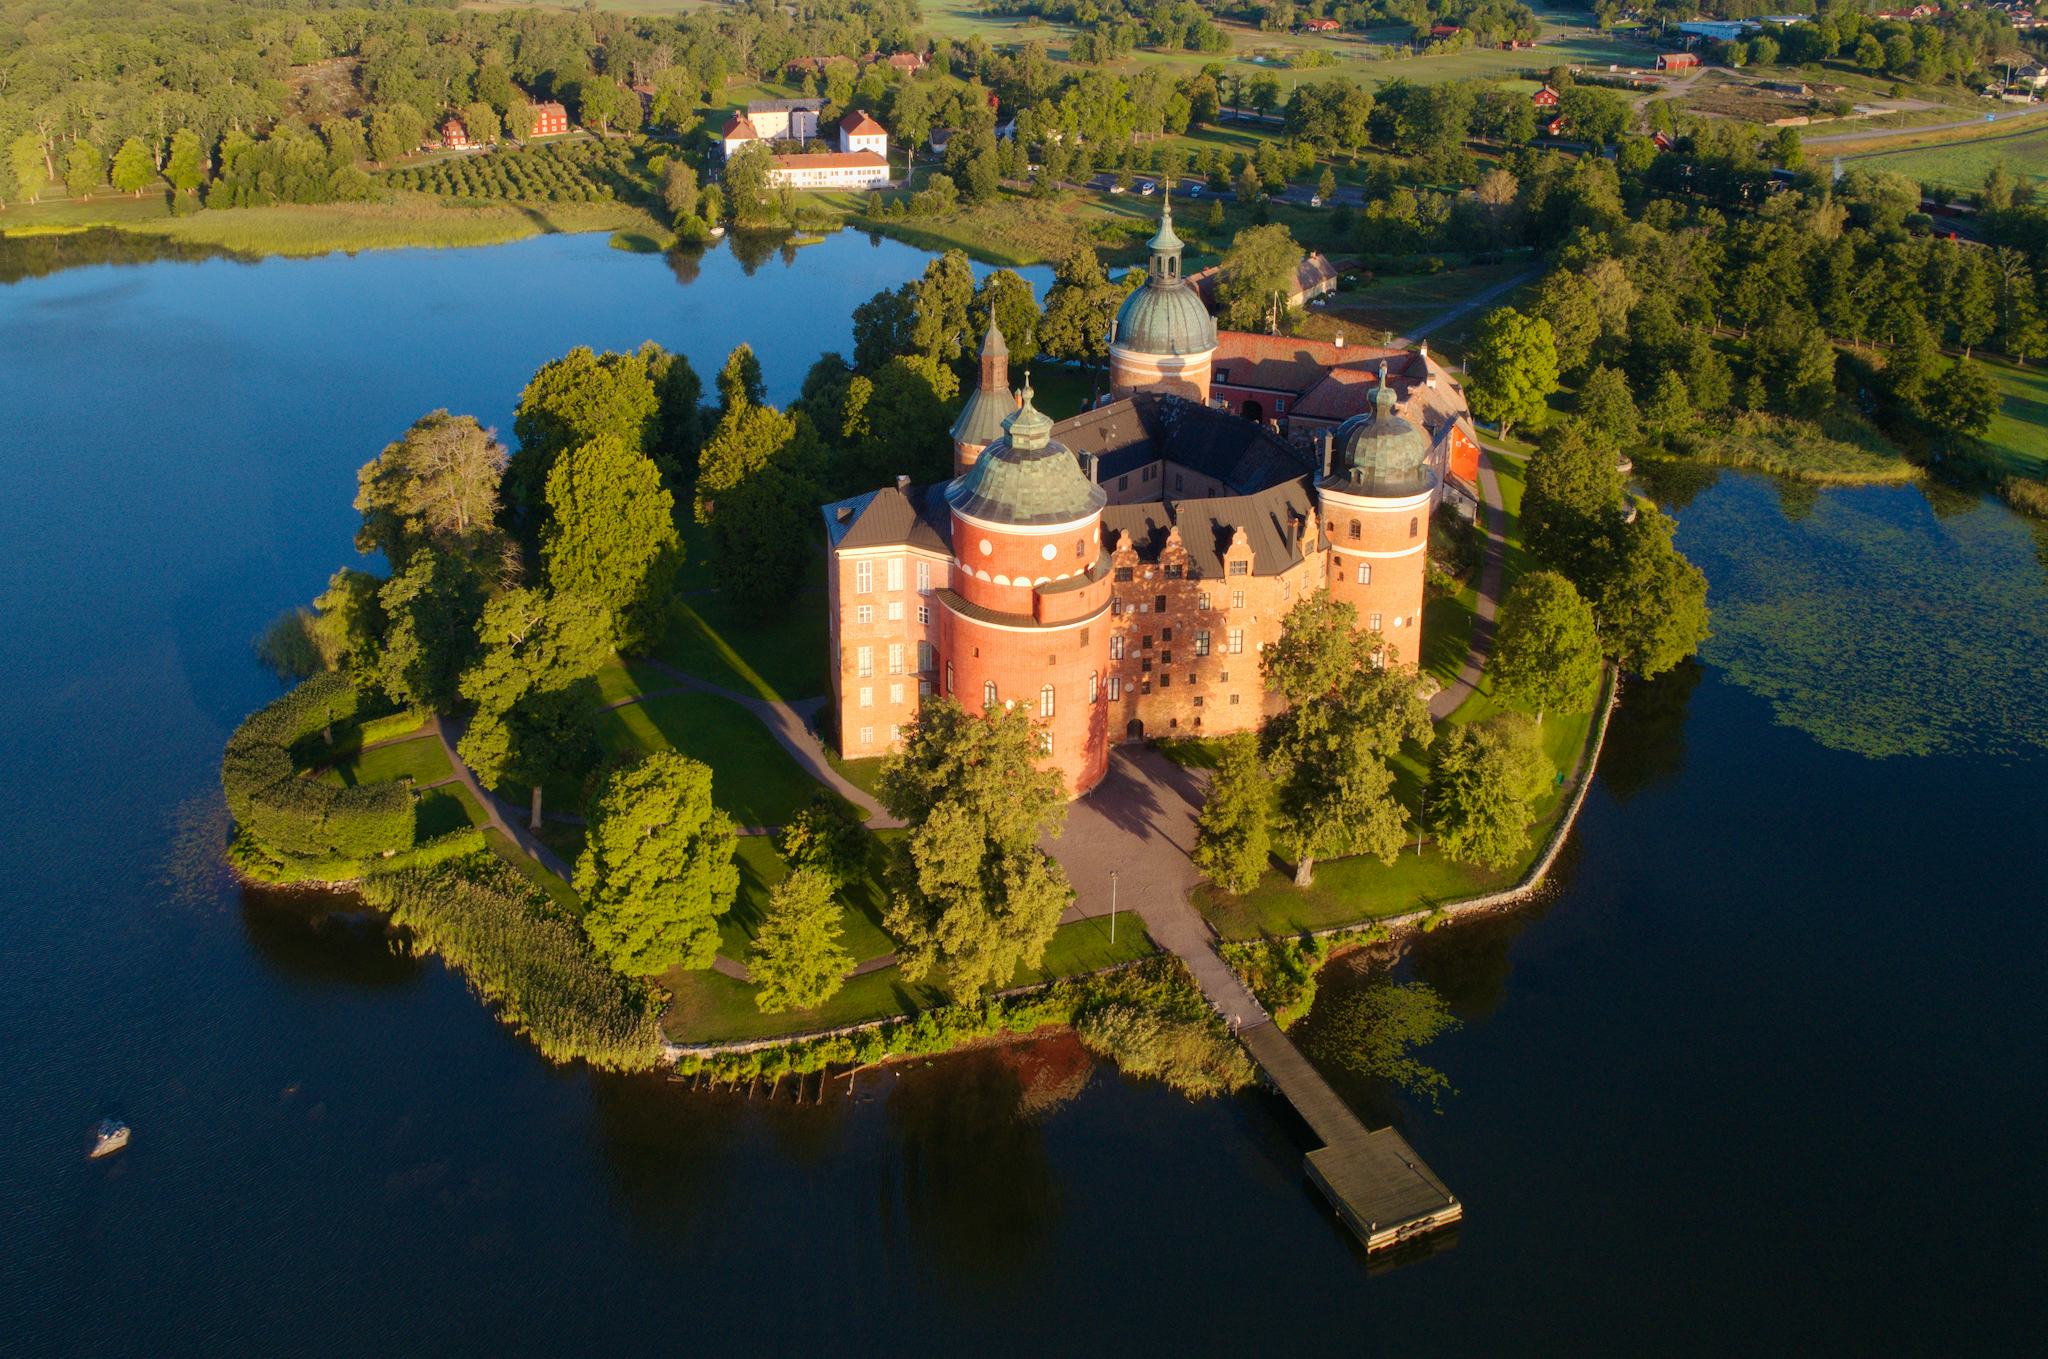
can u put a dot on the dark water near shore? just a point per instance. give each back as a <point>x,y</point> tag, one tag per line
<point>1761,1074</point>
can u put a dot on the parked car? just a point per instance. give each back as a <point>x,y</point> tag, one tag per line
<point>1148,188</point>
<point>1315,200</point>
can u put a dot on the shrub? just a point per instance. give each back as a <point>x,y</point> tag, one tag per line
<point>290,816</point>
<point>2028,497</point>
<point>521,952</point>
<point>1187,1054</point>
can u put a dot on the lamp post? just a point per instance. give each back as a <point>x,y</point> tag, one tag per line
<point>1112,905</point>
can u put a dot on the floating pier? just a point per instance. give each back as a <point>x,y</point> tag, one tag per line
<point>1374,1179</point>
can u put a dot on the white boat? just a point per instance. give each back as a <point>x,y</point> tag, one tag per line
<point>109,1137</point>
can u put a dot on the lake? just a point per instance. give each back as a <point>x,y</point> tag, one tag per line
<point>1754,1075</point>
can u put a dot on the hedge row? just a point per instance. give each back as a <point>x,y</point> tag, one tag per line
<point>294,817</point>
<point>526,955</point>
<point>252,860</point>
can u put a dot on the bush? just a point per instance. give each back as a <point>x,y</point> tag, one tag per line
<point>293,817</point>
<point>521,952</point>
<point>2028,497</point>
<point>1187,1054</point>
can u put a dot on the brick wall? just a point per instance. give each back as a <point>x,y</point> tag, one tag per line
<point>870,706</point>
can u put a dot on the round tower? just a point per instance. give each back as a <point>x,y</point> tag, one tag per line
<point>1376,497</point>
<point>981,419</point>
<point>1026,624</point>
<point>1163,338</point>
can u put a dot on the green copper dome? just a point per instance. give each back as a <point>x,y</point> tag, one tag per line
<point>1026,477</point>
<point>1379,454</point>
<point>1166,316</point>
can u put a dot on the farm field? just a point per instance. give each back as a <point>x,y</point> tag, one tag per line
<point>1956,161</point>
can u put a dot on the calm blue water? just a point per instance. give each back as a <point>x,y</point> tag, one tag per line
<point>1760,1075</point>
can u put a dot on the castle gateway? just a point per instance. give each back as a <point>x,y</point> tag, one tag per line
<point>1117,574</point>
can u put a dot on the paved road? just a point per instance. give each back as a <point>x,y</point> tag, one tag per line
<point>1491,566</point>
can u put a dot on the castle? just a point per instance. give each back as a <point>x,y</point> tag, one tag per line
<point>1118,573</point>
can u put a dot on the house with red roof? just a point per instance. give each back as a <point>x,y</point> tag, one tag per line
<point>1545,98</point>
<point>550,119</point>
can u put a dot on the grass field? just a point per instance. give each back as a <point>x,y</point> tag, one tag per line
<point>783,656</point>
<point>422,759</point>
<point>2019,433</point>
<point>753,779</point>
<point>1957,160</point>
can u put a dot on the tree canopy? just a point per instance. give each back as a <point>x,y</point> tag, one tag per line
<point>799,960</point>
<point>1512,368</point>
<point>1257,278</point>
<point>611,535</point>
<point>1233,841</point>
<point>1546,650</point>
<point>1483,789</point>
<point>657,868</point>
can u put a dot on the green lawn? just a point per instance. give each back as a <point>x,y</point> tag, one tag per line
<point>623,679</point>
<point>762,869</point>
<point>753,778</point>
<point>422,759</point>
<point>2019,432</point>
<point>447,808</point>
<point>709,1008</point>
<point>506,848</point>
<point>1959,162</point>
<point>785,655</point>
<point>865,775</point>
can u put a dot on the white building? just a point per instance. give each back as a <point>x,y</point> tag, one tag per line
<point>861,162</point>
<point>785,120</point>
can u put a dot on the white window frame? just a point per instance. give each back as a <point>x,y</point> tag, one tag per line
<point>864,661</point>
<point>895,573</point>
<point>863,577</point>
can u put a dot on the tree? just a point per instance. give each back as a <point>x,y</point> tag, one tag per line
<point>1006,297</point>
<point>881,328</point>
<point>1232,841</point>
<point>1965,400</point>
<point>1669,410</point>
<point>1546,651</point>
<point>1375,1029</point>
<point>1512,369</point>
<point>1606,404</point>
<point>1650,601</point>
<point>186,168</point>
<point>657,870</point>
<point>611,535</point>
<point>679,190</point>
<point>799,960</point>
<point>1484,787</point>
<point>739,381</point>
<point>481,122</point>
<point>1257,277</point>
<point>1574,494</point>
<point>430,607</point>
<point>606,104</point>
<point>1326,186</point>
<point>940,327</point>
<point>746,439</point>
<point>746,185</point>
<point>25,158</point>
<point>134,170</point>
<point>969,887</point>
<point>435,487</point>
<point>519,119</point>
<point>1078,309</point>
<point>532,688</point>
<point>395,129</point>
<point>1346,715</point>
<point>85,169</point>
<point>826,837</point>
<point>1565,301</point>
<point>573,400</point>
<point>761,537</point>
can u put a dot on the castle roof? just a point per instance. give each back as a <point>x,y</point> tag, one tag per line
<point>1271,521</point>
<point>1165,316</point>
<point>1287,363</point>
<point>739,129</point>
<point>981,419</point>
<point>1026,477</point>
<point>912,516</point>
<point>1149,427</point>
<point>1379,454</point>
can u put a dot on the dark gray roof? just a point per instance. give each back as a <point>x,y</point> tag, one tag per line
<point>1125,435</point>
<point>1267,517</point>
<point>891,518</point>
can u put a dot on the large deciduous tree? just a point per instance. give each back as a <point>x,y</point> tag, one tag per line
<point>611,535</point>
<point>657,867</point>
<point>532,687</point>
<point>1512,368</point>
<point>1546,652</point>
<point>1484,785</point>
<point>799,960</point>
<point>1006,296</point>
<point>437,486</point>
<point>1650,601</point>
<point>1575,497</point>
<point>573,400</point>
<point>1346,715</point>
<point>1078,309</point>
<point>971,891</point>
<point>1257,278</point>
<point>1232,840</point>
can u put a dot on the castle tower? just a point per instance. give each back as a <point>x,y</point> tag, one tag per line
<point>981,419</point>
<point>1026,622</point>
<point>1163,338</point>
<point>1376,495</point>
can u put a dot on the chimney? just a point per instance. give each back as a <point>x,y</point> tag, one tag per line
<point>1340,339</point>
<point>903,484</point>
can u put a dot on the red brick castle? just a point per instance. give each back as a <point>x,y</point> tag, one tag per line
<point>1118,573</point>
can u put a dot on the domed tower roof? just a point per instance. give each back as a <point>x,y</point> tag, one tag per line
<point>1379,454</point>
<point>1026,477</point>
<point>1166,316</point>
<point>981,419</point>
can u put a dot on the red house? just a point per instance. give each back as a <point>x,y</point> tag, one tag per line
<point>1553,127</point>
<point>454,136</point>
<point>1677,61</point>
<point>1442,31</point>
<point>1545,98</point>
<point>550,119</point>
<point>1321,26</point>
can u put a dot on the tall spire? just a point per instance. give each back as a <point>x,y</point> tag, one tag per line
<point>995,358</point>
<point>1165,247</point>
<point>1382,396</point>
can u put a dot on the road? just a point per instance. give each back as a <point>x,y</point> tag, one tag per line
<point>1886,133</point>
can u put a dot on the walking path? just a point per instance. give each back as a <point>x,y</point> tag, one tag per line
<point>1463,309</point>
<point>507,821</point>
<point>1487,606</point>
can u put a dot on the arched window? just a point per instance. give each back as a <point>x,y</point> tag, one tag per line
<point>1414,527</point>
<point>988,697</point>
<point>1354,530</point>
<point>1045,701</point>
<point>1365,573</point>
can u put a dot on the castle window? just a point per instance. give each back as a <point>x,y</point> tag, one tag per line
<point>1233,700</point>
<point>1045,743</point>
<point>924,614</point>
<point>864,613</point>
<point>1084,637</point>
<point>1166,634</point>
<point>1202,642</point>
<point>1052,660</point>
<point>1123,483</point>
<point>1375,623</point>
<point>1145,667</point>
<point>1116,646</point>
<point>1354,531</point>
<point>895,573</point>
<point>1146,641</point>
<point>1202,601</point>
<point>867,696</point>
<point>896,658</point>
<point>867,736</point>
<point>1145,687</point>
<point>1045,701</point>
<point>1116,688</point>
<point>864,661</point>
<point>926,657</point>
<point>863,577</point>
<point>1123,573</point>
<point>1165,681</point>
<point>1237,640</point>
<point>1094,687</point>
<point>895,611</point>
<point>1179,481</point>
<point>1240,568</point>
<point>924,580</point>
<point>1173,573</point>
<point>1237,599</point>
<point>1166,658</point>
<point>1198,700</point>
<point>924,687</point>
<point>1365,573</point>
<point>988,696</point>
<point>1414,527</point>
<point>896,694</point>
<point>1081,548</point>
<point>1159,603</point>
<point>949,677</point>
<point>894,732</point>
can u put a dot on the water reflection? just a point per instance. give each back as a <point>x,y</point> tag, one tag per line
<point>1674,483</point>
<point>1645,742</point>
<point>665,1146</point>
<point>971,1176</point>
<point>328,937</point>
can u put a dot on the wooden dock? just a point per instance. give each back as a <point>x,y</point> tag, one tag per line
<point>1374,1179</point>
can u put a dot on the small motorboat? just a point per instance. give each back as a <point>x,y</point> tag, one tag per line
<point>109,1137</point>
